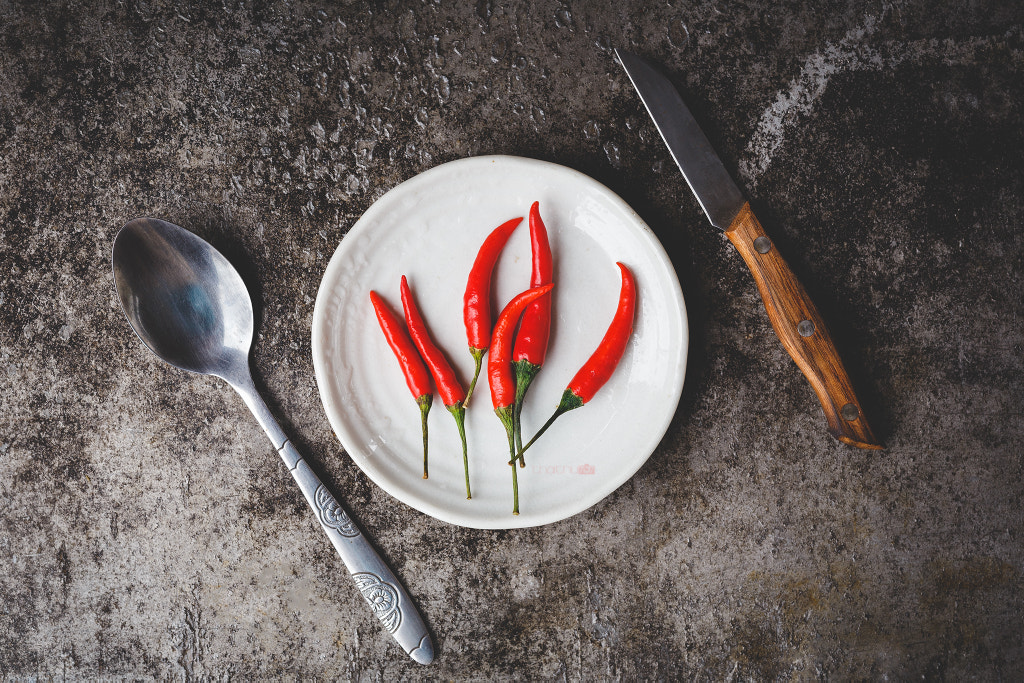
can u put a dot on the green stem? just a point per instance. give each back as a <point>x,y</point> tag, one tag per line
<point>424,402</point>
<point>570,401</point>
<point>515,482</point>
<point>505,414</point>
<point>458,411</point>
<point>478,357</point>
<point>517,435</point>
<point>525,372</point>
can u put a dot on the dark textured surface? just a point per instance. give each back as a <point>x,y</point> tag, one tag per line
<point>147,530</point>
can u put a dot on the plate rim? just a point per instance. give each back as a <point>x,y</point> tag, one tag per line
<point>319,322</point>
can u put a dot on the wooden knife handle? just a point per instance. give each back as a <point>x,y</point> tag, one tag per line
<point>802,331</point>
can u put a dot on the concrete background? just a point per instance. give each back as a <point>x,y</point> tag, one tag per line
<point>147,530</point>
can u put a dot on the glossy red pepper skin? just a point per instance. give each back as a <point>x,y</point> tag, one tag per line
<point>602,363</point>
<point>499,360</point>
<point>416,376</point>
<point>476,303</point>
<point>532,339</point>
<point>499,372</point>
<point>444,376</point>
<point>448,386</point>
<point>535,328</point>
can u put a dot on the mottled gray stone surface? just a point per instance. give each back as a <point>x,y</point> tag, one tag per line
<point>147,529</point>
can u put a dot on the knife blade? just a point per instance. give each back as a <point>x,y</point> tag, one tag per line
<point>793,315</point>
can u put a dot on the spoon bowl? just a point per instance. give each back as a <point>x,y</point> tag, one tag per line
<point>188,304</point>
<point>182,297</point>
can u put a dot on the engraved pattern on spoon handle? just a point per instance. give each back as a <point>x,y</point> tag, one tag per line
<point>384,593</point>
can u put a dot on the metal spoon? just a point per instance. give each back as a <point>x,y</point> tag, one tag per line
<point>190,307</point>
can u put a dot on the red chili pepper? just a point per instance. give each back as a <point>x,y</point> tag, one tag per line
<point>448,385</point>
<point>602,363</point>
<point>416,375</point>
<point>477,300</point>
<point>499,371</point>
<point>535,328</point>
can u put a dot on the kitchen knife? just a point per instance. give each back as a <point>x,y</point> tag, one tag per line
<point>791,312</point>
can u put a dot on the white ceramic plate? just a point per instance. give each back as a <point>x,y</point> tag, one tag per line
<point>429,228</point>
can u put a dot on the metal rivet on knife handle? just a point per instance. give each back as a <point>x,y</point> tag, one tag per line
<point>762,245</point>
<point>805,328</point>
<point>850,412</point>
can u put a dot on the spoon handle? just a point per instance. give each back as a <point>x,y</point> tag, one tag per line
<point>385,594</point>
<point>387,598</point>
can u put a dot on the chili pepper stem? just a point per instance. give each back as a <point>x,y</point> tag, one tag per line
<point>525,372</point>
<point>424,404</point>
<point>478,358</point>
<point>458,411</point>
<point>570,401</point>
<point>505,414</point>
